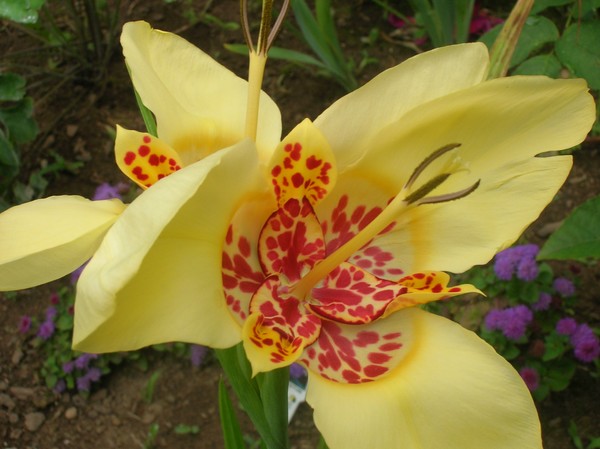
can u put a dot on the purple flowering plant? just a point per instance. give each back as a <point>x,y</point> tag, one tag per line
<point>531,320</point>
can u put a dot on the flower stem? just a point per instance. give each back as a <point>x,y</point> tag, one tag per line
<point>255,77</point>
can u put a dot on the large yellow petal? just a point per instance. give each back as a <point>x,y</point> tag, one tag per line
<point>497,122</point>
<point>200,106</point>
<point>452,391</point>
<point>157,276</point>
<point>46,239</point>
<point>351,122</point>
<point>500,125</point>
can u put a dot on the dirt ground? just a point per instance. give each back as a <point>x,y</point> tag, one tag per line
<point>115,415</point>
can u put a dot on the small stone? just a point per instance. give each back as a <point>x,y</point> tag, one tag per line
<point>3,386</point>
<point>6,401</point>
<point>15,434</point>
<point>22,393</point>
<point>72,130</point>
<point>42,398</point>
<point>33,421</point>
<point>115,421</point>
<point>13,418</point>
<point>17,356</point>
<point>71,413</point>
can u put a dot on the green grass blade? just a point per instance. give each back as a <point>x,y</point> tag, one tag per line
<point>232,433</point>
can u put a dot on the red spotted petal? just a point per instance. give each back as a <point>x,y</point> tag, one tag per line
<point>357,353</point>
<point>291,241</point>
<point>303,165</point>
<point>143,158</point>
<point>279,327</point>
<point>353,296</point>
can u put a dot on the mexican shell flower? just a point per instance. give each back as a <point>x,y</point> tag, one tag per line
<point>319,249</point>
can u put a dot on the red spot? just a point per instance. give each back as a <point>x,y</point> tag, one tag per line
<point>375,370</point>
<point>143,150</point>
<point>244,246</point>
<point>312,162</point>
<point>350,376</point>
<point>276,170</point>
<point>378,358</point>
<point>129,157</point>
<point>387,347</point>
<point>137,171</point>
<point>297,180</point>
<point>365,338</point>
<point>147,139</point>
<point>454,289</point>
<point>153,160</point>
<point>163,158</point>
<point>172,161</point>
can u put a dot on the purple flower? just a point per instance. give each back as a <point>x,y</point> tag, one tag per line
<point>94,374</point>
<point>24,324</point>
<point>46,330</point>
<point>76,274</point>
<point>106,191</point>
<point>566,326</point>
<point>297,371</point>
<point>197,354</point>
<point>51,313</point>
<point>531,378</point>
<point>68,367</point>
<point>83,360</point>
<point>564,287</point>
<point>543,302</point>
<point>518,259</point>
<point>494,319</point>
<point>587,350</point>
<point>512,321</point>
<point>83,383</point>
<point>583,332</point>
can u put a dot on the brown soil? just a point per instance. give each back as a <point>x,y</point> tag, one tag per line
<point>115,415</point>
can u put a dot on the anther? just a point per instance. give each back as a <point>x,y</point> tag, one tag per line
<point>427,162</point>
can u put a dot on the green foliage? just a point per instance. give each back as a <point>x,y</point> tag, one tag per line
<point>17,127</point>
<point>318,31</point>
<point>578,237</point>
<point>185,429</point>
<point>594,442</point>
<point>21,11</point>
<point>571,48</point>
<point>446,21</point>
<point>151,437</point>
<point>148,393</point>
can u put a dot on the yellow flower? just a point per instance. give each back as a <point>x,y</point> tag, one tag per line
<point>316,248</point>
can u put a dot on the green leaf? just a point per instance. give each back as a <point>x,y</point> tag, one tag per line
<point>232,433</point>
<point>560,374</point>
<point>540,5</point>
<point>21,127</point>
<point>540,65</point>
<point>273,387</point>
<point>537,32</point>
<point>555,347</point>
<point>8,155</point>
<point>578,237</point>
<point>578,50</point>
<point>12,87</point>
<point>21,11</point>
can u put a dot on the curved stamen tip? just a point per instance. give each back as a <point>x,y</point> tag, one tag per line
<point>427,162</point>
<point>450,196</point>
<point>268,31</point>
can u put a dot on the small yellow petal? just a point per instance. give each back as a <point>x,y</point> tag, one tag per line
<point>303,165</point>
<point>143,158</point>
<point>46,239</point>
